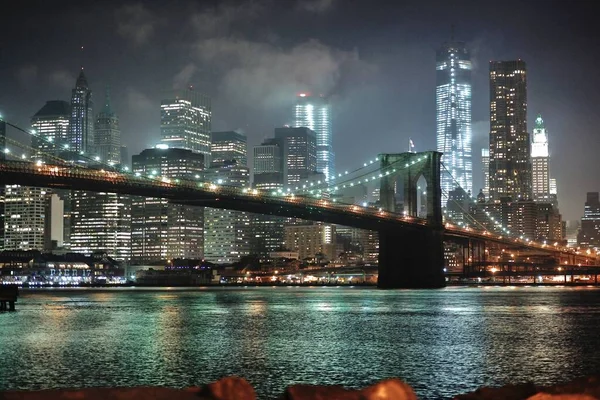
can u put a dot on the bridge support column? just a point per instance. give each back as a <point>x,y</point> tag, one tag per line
<point>411,259</point>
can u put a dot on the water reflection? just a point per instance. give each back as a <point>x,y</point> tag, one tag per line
<point>442,342</point>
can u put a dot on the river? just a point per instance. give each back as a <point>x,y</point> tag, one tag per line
<point>442,342</point>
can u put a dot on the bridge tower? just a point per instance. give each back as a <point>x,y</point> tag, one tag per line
<point>412,257</point>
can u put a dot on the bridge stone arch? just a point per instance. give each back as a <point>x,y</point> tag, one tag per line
<point>426,164</point>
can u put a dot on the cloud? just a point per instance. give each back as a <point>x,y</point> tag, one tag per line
<point>135,23</point>
<point>62,79</point>
<point>139,102</point>
<point>316,6</point>
<point>27,74</point>
<point>183,78</point>
<point>220,20</point>
<point>261,72</point>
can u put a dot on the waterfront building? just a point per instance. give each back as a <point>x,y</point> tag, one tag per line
<point>25,217</point>
<point>229,146</point>
<point>510,150</point>
<point>107,135</point>
<point>589,234</point>
<point>81,123</point>
<point>226,232</point>
<point>2,190</point>
<point>299,154</point>
<point>51,128</point>
<point>453,115</point>
<point>485,165</point>
<point>161,230</point>
<point>540,161</point>
<point>101,222</point>
<point>314,112</point>
<point>185,121</point>
<point>313,240</point>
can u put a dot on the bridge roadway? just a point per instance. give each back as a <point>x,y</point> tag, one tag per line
<point>404,240</point>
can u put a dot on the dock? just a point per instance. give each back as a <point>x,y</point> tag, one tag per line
<point>8,297</point>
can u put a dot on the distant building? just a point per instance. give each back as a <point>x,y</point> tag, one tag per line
<point>510,150</point>
<point>185,121</point>
<point>107,134</point>
<point>81,123</point>
<point>2,157</point>
<point>458,206</point>
<point>485,165</point>
<point>161,230</point>
<point>453,115</point>
<point>51,127</point>
<point>268,165</point>
<point>540,161</point>
<point>314,112</point>
<point>311,241</point>
<point>549,224</point>
<point>589,234</point>
<point>25,217</point>
<point>229,146</point>
<point>101,222</point>
<point>226,232</point>
<point>299,154</point>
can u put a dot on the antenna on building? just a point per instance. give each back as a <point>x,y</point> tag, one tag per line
<point>411,146</point>
<point>81,58</point>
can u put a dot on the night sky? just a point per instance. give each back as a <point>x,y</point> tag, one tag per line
<point>376,59</point>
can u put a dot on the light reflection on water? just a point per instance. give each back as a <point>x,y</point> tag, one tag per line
<point>442,342</point>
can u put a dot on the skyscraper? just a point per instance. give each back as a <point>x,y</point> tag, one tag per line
<point>2,157</point>
<point>107,135</point>
<point>589,235</point>
<point>185,118</point>
<point>510,151</point>
<point>101,222</point>
<point>540,161</point>
<point>161,230</point>
<point>25,217</point>
<point>226,232</point>
<point>228,146</point>
<point>453,115</point>
<point>81,124</point>
<point>315,113</point>
<point>299,154</point>
<point>51,127</point>
<point>485,165</point>
<point>268,165</point>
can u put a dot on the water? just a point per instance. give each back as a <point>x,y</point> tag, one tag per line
<point>442,342</point>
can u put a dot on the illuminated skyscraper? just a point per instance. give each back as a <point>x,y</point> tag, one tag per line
<point>485,165</point>
<point>185,118</point>
<point>299,154</point>
<point>589,235</point>
<point>161,230</point>
<point>540,161</point>
<point>315,113</point>
<point>25,217</point>
<point>51,127</point>
<point>81,124</point>
<point>510,146</point>
<point>229,146</point>
<point>453,115</point>
<point>107,135</point>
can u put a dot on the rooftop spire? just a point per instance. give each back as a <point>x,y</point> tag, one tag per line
<point>81,80</point>
<point>539,122</point>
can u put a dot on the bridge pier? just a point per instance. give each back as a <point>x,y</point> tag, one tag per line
<point>411,259</point>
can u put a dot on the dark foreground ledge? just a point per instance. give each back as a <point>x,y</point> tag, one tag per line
<point>234,388</point>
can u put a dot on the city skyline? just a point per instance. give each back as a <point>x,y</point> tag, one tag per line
<point>400,105</point>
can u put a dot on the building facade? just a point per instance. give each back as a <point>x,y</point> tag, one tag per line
<point>107,134</point>
<point>485,165</point>
<point>160,230</point>
<point>453,115</point>
<point>101,222</point>
<point>589,234</point>
<point>314,112</point>
<point>312,240</point>
<point>229,146</point>
<point>540,161</point>
<point>510,151</point>
<point>185,121</point>
<point>81,123</point>
<point>51,129</point>
<point>299,154</point>
<point>25,217</point>
<point>268,165</point>
<point>226,232</point>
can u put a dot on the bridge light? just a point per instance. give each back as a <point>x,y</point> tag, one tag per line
<point>7,150</point>
<point>23,156</point>
<point>137,174</point>
<point>406,165</point>
<point>153,172</point>
<point>365,164</point>
<point>346,172</point>
<point>126,168</point>
<point>97,158</point>
<point>66,145</point>
<point>39,163</point>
